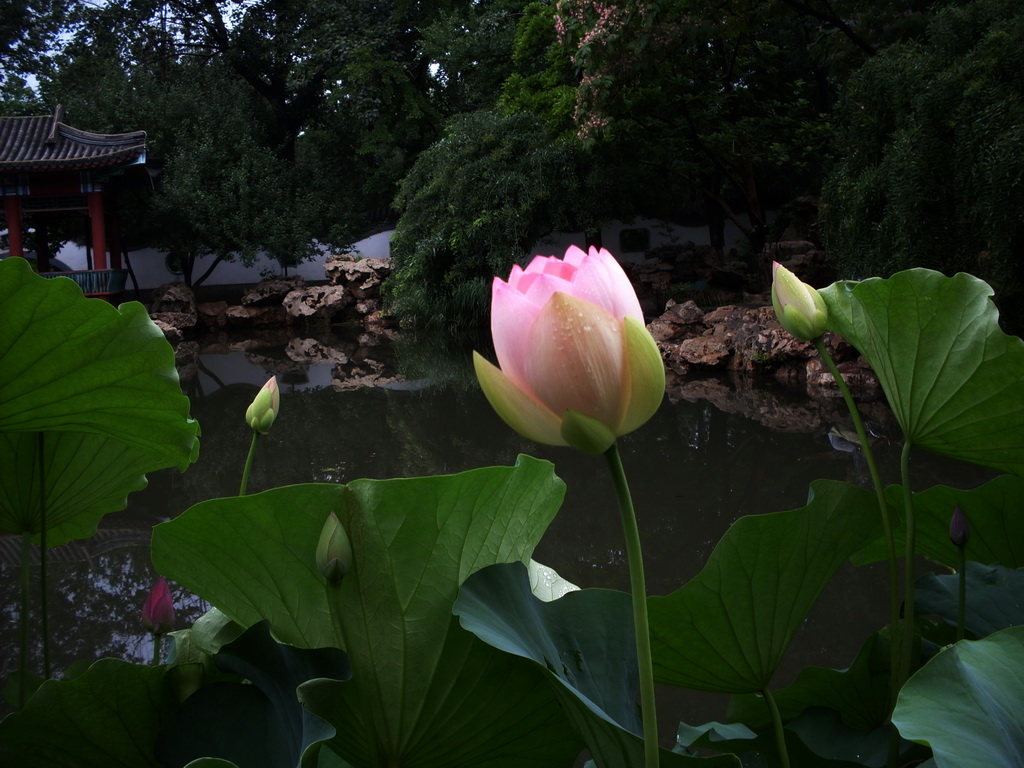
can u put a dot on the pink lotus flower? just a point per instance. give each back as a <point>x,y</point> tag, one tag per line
<point>577,364</point>
<point>158,611</point>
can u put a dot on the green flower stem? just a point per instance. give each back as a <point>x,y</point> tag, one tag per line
<point>780,734</point>
<point>44,603</point>
<point>26,552</point>
<point>883,507</point>
<point>907,633</point>
<point>248,463</point>
<point>333,604</point>
<point>638,590</point>
<point>157,644</point>
<point>961,607</point>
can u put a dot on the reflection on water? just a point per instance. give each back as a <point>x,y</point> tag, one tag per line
<point>694,469</point>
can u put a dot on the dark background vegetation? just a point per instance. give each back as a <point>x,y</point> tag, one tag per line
<point>480,125</point>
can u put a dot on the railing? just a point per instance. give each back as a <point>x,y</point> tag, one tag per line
<point>96,282</point>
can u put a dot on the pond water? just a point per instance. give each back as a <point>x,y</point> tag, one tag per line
<point>694,469</point>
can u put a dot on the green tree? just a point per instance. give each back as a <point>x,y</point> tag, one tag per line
<point>730,99</point>
<point>278,125</point>
<point>721,96</point>
<point>470,54</point>
<point>930,166</point>
<point>28,32</point>
<point>472,205</point>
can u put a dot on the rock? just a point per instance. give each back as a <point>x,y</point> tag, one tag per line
<point>779,410</point>
<point>381,324</point>
<point>212,314</point>
<point>678,320</point>
<point>750,339</point>
<point>702,350</point>
<point>179,321</point>
<point>729,277</point>
<point>362,277</point>
<point>171,332</point>
<point>175,305</point>
<point>761,342</point>
<point>687,313</point>
<point>314,351</point>
<point>319,302</point>
<point>367,307</point>
<point>172,297</point>
<point>278,366</point>
<point>186,360</point>
<point>362,373</point>
<point>857,374</point>
<point>250,317</point>
<point>271,291</point>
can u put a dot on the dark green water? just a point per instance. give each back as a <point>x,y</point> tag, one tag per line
<point>694,469</point>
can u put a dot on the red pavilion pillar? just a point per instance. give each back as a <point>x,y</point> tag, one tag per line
<point>114,234</point>
<point>13,214</point>
<point>99,237</point>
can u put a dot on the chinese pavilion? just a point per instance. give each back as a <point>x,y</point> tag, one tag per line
<point>47,166</point>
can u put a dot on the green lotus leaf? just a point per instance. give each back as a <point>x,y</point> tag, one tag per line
<point>423,689</point>
<point>255,724</point>
<point>965,703</point>
<point>954,380</point>
<point>85,476</point>
<point>89,404</point>
<point>252,557</point>
<point>108,717</point>
<point>68,363</point>
<point>859,694</point>
<point>993,598</point>
<point>729,627</point>
<point>997,528</point>
<point>583,643</point>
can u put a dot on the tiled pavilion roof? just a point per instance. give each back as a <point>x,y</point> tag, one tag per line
<point>47,143</point>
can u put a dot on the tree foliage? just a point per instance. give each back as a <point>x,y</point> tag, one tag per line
<point>721,96</point>
<point>28,31</point>
<point>471,206</point>
<point>278,126</point>
<point>931,156</point>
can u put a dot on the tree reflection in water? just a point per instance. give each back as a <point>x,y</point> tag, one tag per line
<point>694,469</point>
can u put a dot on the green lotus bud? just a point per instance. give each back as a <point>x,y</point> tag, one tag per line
<point>261,413</point>
<point>799,307</point>
<point>333,551</point>
<point>585,433</point>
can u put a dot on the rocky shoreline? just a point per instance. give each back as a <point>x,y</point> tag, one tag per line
<point>724,354</point>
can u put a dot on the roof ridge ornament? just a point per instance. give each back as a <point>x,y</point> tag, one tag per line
<point>58,119</point>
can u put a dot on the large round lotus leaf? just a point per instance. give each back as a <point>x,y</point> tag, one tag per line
<point>954,380</point>
<point>966,703</point>
<point>68,363</point>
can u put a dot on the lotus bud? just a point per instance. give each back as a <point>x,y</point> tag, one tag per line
<point>799,307</point>
<point>158,610</point>
<point>261,413</point>
<point>333,551</point>
<point>959,530</point>
<point>576,364</point>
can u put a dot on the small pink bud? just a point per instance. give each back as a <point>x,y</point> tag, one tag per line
<point>158,611</point>
<point>959,530</point>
